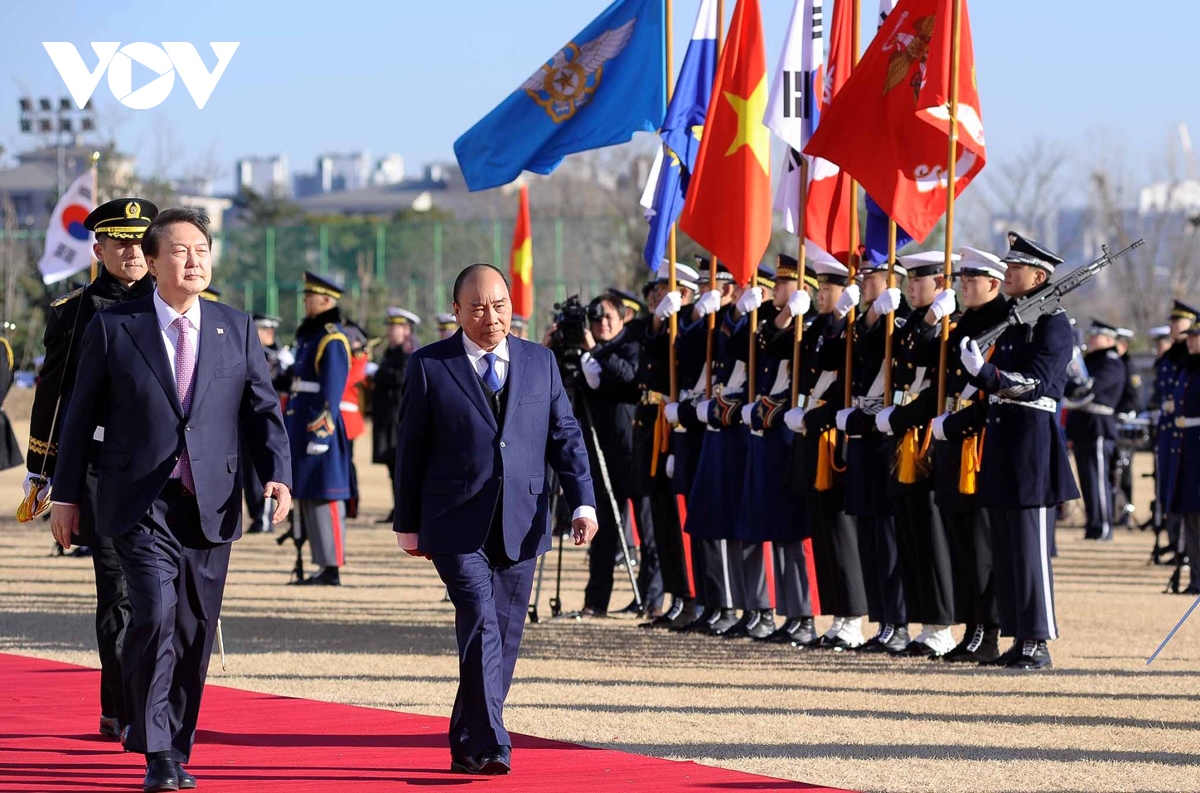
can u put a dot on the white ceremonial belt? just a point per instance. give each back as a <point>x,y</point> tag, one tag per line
<point>98,435</point>
<point>306,387</point>
<point>1045,403</point>
<point>349,407</point>
<point>867,404</point>
<point>1187,422</point>
<point>1096,410</point>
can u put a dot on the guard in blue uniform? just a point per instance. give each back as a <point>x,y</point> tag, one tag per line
<point>1092,428</point>
<point>1161,408</point>
<point>956,428</point>
<point>868,460</point>
<point>706,568</point>
<point>921,541</point>
<point>320,450</point>
<point>1024,470</point>
<point>1183,449</point>
<point>818,492</point>
<point>769,514</point>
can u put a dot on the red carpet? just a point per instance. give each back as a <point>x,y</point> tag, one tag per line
<point>261,742</point>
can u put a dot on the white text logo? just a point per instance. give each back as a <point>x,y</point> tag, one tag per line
<point>165,61</point>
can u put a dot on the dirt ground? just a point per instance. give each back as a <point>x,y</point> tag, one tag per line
<point>1100,721</point>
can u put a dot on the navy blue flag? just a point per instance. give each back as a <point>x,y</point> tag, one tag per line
<point>604,85</point>
<point>681,131</point>
<point>877,234</point>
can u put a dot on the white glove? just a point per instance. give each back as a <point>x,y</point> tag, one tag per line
<point>371,368</point>
<point>313,449</point>
<point>591,370</point>
<point>939,427</point>
<point>747,413</point>
<point>670,304</point>
<point>842,415</point>
<point>847,301</point>
<point>29,477</point>
<point>888,302</point>
<point>750,300</point>
<point>670,466</point>
<point>799,303</point>
<point>702,409</point>
<point>709,303</point>
<point>972,358</point>
<point>943,304</point>
<point>671,411</point>
<point>883,420</point>
<point>794,419</point>
<point>286,358</point>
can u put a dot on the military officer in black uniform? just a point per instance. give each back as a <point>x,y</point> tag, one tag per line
<point>118,226</point>
<point>1024,471</point>
<point>387,388</point>
<point>1092,428</point>
<point>819,490</point>
<point>256,504</point>
<point>10,449</point>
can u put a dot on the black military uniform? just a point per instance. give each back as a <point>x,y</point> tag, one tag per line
<point>1024,470</point>
<point>123,219</point>
<point>252,487</point>
<point>10,450</point>
<point>967,530</point>
<point>1092,430</point>
<point>387,388</point>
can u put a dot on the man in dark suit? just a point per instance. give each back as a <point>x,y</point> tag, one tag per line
<point>176,382</point>
<point>483,418</point>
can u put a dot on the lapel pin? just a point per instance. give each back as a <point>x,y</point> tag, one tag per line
<point>220,331</point>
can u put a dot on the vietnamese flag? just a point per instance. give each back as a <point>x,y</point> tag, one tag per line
<point>728,209</point>
<point>520,260</point>
<point>889,126</point>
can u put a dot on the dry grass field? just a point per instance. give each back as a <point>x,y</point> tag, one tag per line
<point>1100,721</point>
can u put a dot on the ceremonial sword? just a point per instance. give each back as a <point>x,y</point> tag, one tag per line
<point>1178,625</point>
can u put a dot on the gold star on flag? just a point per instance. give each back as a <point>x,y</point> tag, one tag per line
<point>751,130</point>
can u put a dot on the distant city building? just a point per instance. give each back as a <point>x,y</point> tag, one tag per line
<point>267,176</point>
<point>389,170</point>
<point>32,186</point>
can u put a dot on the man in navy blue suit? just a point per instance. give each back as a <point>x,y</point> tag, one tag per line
<point>483,418</point>
<point>176,382</point>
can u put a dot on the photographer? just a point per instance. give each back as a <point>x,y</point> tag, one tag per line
<point>603,377</point>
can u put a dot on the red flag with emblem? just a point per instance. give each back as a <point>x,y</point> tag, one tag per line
<point>728,209</point>
<point>889,127</point>
<point>827,204</point>
<point>520,260</point>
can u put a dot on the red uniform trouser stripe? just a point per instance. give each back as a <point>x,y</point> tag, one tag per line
<point>338,550</point>
<point>810,569</point>
<point>687,546</point>
<point>769,572</point>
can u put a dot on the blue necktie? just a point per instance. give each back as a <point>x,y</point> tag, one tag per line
<point>490,378</point>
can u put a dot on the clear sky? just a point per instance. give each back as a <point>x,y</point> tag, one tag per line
<point>409,76</point>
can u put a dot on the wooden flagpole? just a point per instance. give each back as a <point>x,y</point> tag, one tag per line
<point>673,321</point>
<point>852,257</point>
<point>951,162</point>
<point>799,329</point>
<point>890,327</point>
<point>94,270</point>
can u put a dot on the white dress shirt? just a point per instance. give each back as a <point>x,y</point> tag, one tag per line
<point>170,334</point>
<point>475,355</point>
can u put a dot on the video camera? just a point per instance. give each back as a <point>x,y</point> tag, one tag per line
<point>571,320</point>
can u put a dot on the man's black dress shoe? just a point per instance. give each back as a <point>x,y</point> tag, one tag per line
<point>186,780</point>
<point>496,761</point>
<point>160,776</point>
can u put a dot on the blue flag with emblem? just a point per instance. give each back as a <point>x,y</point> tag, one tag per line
<point>603,86</point>
<point>681,132</point>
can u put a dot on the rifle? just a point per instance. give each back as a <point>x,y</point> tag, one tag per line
<point>1047,298</point>
<point>299,538</point>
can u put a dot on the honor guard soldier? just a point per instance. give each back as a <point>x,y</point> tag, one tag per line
<point>388,387</point>
<point>118,226</point>
<point>320,450</point>
<point>956,437</point>
<point>1160,337</point>
<point>688,430</point>
<point>10,449</point>
<point>921,541</point>
<point>868,461</point>
<point>769,511</point>
<point>257,505</point>
<point>1162,403</point>
<point>351,405</point>
<point>447,325</point>
<point>1024,470</point>
<point>519,327</point>
<point>1092,428</point>
<point>819,490</point>
<point>1182,475</point>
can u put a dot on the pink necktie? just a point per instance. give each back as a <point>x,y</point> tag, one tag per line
<point>185,370</point>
